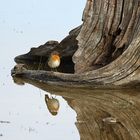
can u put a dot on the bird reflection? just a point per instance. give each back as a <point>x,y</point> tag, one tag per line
<point>101,114</point>
<point>18,81</point>
<point>52,105</point>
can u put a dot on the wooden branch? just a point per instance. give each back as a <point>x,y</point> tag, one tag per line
<point>103,51</point>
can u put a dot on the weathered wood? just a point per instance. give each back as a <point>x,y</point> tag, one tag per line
<point>113,25</point>
<point>101,114</point>
<point>103,51</point>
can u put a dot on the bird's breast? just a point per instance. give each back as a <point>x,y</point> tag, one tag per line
<point>54,64</point>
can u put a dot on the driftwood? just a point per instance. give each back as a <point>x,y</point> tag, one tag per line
<point>101,114</point>
<point>103,51</point>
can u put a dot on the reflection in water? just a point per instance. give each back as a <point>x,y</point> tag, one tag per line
<point>18,81</point>
<point>101,114</point>
<point>52,105</point>
<point>51,102</point>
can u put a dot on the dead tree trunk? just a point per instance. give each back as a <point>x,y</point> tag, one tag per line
<point>111,28</point>
<point>104,50</point>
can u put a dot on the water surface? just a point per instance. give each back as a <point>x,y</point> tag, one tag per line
<point>101,114</point>
<point>83,113</point>
<point>24,114</point>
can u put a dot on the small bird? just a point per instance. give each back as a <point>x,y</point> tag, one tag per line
<point>54,60</point>
<point>52,105</point>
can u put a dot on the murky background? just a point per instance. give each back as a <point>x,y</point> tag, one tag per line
<point>25,24</point>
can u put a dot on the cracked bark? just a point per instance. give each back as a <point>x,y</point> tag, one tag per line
<point>103,51</point>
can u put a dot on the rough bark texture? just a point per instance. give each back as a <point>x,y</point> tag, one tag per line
<point>109,28</point>
<point>103,51</point>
